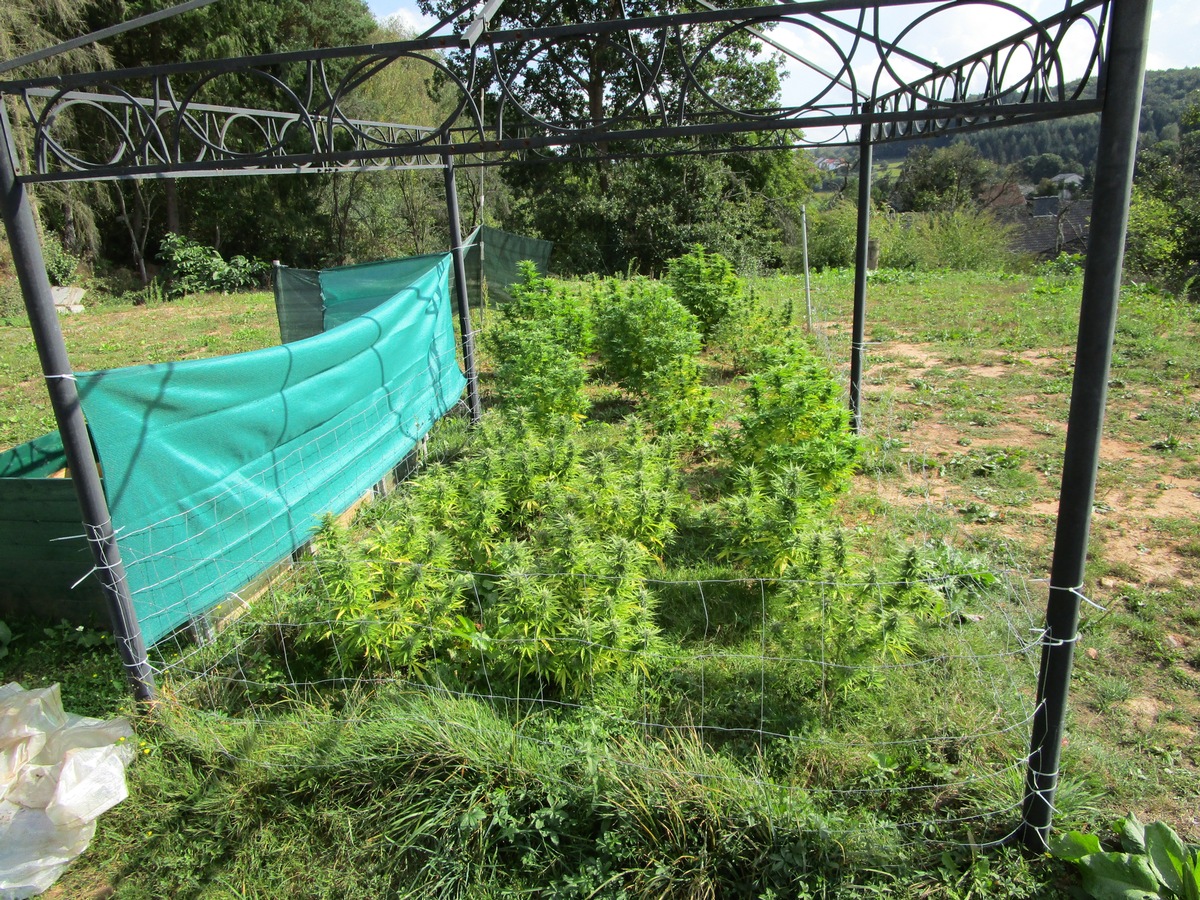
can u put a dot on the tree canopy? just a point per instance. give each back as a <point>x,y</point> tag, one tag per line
<point>941,178</point>
<point>613,215</point>
<point>1163,244</point>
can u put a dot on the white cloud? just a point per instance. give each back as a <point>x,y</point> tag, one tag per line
<point>1174,35</point>
<point>403,15</point>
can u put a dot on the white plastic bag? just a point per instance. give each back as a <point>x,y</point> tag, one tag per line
<point>58,773</point>
<point>91,782</point>
<point>26,717</point>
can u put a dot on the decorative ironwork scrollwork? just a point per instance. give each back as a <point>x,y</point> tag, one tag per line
<point>616,84</point>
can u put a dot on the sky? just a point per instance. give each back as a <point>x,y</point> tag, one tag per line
<point>1174,33</point>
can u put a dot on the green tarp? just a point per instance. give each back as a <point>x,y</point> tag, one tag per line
<point>44,558</point>
<point>351,291</point>
<point>298,303</point>
<point>308,302</point>
<point>492,257</point>
<point>217,469</point>
<point>39,458</point>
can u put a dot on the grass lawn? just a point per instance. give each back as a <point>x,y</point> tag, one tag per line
<point>968,381</point>
<point>108,335</point>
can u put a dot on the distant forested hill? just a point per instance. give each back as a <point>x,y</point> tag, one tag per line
<point>1074,139</point>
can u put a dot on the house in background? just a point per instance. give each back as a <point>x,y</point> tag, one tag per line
<point>1068,183</point>
<point>1052,225</point>
<point>1042,226</point>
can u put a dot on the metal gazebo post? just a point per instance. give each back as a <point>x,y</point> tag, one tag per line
<point>460,285</point>
<point>64,398</point>
<point>1124,72</point>
<point>857,338</point>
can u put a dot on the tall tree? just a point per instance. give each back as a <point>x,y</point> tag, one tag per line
<point>230,213</point>
<point>942,178</point>
<point>606,214</point>
<point>1163,244</point>
<point>27,26</point>
<point>381,214</point>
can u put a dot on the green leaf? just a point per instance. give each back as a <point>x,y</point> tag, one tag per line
<point>1167,855</point>
<point>1118,876</point>
<point>1074,845</point>
<point>1191,879</point>
<point>1133,834</point>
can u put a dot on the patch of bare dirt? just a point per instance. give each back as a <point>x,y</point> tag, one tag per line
<point>920,356</point>
<point>916,356</point>
<point>1132,498</point>
<point>1143,712</point>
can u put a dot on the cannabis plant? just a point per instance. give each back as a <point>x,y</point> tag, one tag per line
<point>707,286</point>
<point>795,417</point>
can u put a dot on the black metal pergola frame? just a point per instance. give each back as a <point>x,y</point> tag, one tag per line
<point>160,123</point>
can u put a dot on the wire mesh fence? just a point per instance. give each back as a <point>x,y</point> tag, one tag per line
<point>825,702</point>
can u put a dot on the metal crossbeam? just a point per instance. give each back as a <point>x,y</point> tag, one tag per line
<point>153,133</point>
<point>662,66</point>
<point>101,35</point>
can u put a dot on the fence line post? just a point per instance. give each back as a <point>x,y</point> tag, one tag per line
<point>64,398</point>
<point>808,310</point>
<point>460,284</point>
<point>857,338</point>
<point>1121,81</point>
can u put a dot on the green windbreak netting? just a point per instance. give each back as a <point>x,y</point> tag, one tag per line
<point>308,302</point>
<point>44,558</point>
<point>217,469</point>
<point>298,303</point>
<point>493,257</point>
<point>350,291</point>
<point>36,459</point>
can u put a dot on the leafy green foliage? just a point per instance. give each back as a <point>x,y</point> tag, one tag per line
<point>960,239</point>
<point>1153,237</point>
<point>641,328</point>
<point>540,345</point>
<point>534,373</point>
<point>1155,864</point>
<point>60,265</point>
<point>763,520</point>
<point>1163,241</point>
<point>831,605</point>
<point>604,214</point>
<point>745,336</point>
<point>541,302</point>
<point>795,417</point>
<point>81,660</point>
<point>561,530</point>
<point>267,218</point>
<point>941,178</point>
<point>649,344</point>
<point>831,236</point>
<point>707,286</point>
<point>469,803</point>
<point>484,796</point>
<point>854,617</point>
<point>395,598</point>
<point>192,268</point>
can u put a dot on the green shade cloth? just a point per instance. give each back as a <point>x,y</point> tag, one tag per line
<point>351,291</point>
<point>40,457</point>
<point>44,558</point>
<point>217,469</point>
<point>298,303</point>
<point>493,256</point>
<point>309,302</point>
